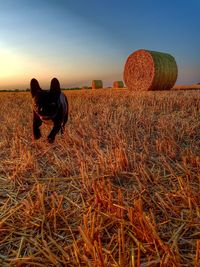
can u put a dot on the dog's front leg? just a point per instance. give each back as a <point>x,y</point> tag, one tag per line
<point>54,131</point>
<point>36,126</point>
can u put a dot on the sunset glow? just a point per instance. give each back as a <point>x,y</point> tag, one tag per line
<point>11,65</point>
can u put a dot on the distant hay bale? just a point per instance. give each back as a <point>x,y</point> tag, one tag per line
<point>118,84</point>
<point>149,70</point>
<point>96,84</point>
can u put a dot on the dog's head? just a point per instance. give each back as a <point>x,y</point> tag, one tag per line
<point>46,102</point>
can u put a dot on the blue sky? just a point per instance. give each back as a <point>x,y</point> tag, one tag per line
<point>81,40</point>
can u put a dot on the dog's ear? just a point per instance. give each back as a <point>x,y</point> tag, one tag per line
<point>55,86</point>
<point>35,87</point>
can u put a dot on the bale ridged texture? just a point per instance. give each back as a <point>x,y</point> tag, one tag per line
<point>149,70</point>
<point>118,84</point>
<point>96,84</point>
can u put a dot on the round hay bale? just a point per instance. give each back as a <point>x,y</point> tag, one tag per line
<point>96,84</point>
<point>118,84</point>
<point>150,70</point>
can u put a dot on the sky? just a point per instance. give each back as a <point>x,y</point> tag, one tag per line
<point>78,41</point>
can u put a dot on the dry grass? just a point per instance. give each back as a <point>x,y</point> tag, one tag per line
<point>120,188</point>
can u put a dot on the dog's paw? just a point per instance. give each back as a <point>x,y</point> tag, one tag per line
<point>37,135</point>
<point>51,139</point>
<point>62,130</point>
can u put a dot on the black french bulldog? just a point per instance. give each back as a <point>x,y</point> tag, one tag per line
<point>48,105</point>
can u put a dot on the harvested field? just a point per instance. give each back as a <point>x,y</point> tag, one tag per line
<point>119,188</point>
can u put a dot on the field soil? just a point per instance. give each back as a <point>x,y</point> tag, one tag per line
<point>120,187</point>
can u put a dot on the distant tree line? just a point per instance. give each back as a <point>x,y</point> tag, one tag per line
<point>15,90</point>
